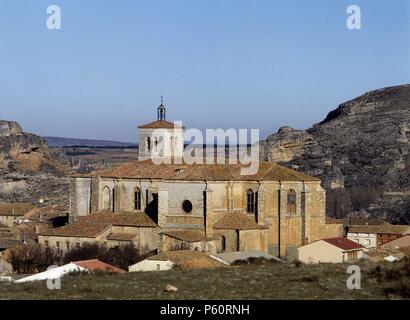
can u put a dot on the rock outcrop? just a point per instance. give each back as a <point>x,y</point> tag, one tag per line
<point>360,150</point>
<point>29,169</point>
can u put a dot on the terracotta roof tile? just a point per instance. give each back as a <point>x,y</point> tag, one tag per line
<point>78,229</point>
<point>159,124</point>
<point>47,212</point>
<point>8,243</point>
<point>3,226</point>
<point>97,265</point>
<point>388,228</point>
<point>132,219</point>
<point>187,259</point>
<point>121,236</point>
<point>218,172</point>
<point>95,224</point>
<point>237,221</point>
<point>360,221</point>
<point>15,209</point>
<point>344,243</point>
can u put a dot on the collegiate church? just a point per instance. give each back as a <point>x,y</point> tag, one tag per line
<point>205,207</point>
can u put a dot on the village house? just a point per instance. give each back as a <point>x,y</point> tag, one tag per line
<point>374,236</point>
<point>200,206</point>
<point>185,259</point>
<point>397,244</point>
<point>111,229</point>
<point>333,250</point>
<point>12,214</point>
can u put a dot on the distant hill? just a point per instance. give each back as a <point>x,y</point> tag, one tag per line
<point>58,142</point>
<point>361,151</point>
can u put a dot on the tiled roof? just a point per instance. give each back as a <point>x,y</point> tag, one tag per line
<point>95,224</point>
<point>187,259</point>
<point>121,236</point>
<point>159,124</point>
<point>405,250</point>
<point>187,235</point>
<point>78,229</point>
<point>388,228</point>
<point>360,221</point>
<point>8,243</point>
<point>15,209</point>
<point>95,264</point>
<point>131,219</point>
<point>237,221</point>
<point>218,172</point>
<point>47,212</point>
<point>344,243</point>
<point>27,231</point>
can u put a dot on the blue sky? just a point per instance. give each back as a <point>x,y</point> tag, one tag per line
<point>218,63</point>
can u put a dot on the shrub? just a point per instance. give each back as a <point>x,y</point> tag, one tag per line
<point>121,257</point>
<point>32,258</point>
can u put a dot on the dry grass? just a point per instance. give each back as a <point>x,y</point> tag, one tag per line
<point>266,281</point>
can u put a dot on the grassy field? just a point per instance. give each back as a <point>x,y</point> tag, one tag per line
<point>266,281</point>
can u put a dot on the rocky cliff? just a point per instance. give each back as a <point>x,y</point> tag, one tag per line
<point>28,168</point>
<point>360,150</point>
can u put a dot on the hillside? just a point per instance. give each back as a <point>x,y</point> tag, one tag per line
<point>361,152</point>
<point>58,142</point>
<point>255,282</point>
<point>29,169</point>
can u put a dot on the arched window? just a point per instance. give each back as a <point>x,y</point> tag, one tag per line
<point>250,201</point>
<point>155,143</point>
<point>291,201</point>
<point>148,144</point>
<point>137,199</point>
<point>106,198</point>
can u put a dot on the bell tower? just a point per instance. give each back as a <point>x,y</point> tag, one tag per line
<point>160,138</point>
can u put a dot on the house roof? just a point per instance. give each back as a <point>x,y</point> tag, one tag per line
<point>95,224</point>
<point>3,226</point>
<point>15,209</point>
<point>121,236</point>
<point>405,237</point>
<point>27,231</point>
<point>187,259</point>
<point>361,221</point>
<point>53,273</point>
<point>388,228</point>
<point>187,235</point>
<point>237,221</point>
<point>123,218</point>
<point>159,124</point>
<point>78,229</point>
<point>405,250</point>
<point>343,243</point>
<point>48,212</point>
<point>147,169</point>
<point>95,265</point>
<point>8,243</point>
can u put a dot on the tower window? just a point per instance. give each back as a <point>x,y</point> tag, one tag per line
<point>148,144</point>
<point>250,201</point>
<point>137,199</point>
<point>291,202</point>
